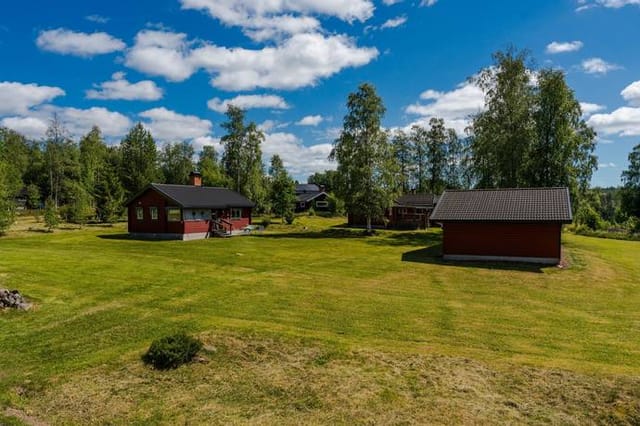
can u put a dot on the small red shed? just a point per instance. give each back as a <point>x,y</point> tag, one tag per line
<point>522,225</point>
<point>187,212</point>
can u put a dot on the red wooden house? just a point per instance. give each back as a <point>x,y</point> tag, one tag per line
<point>523,225</point>
<point>188,212</point>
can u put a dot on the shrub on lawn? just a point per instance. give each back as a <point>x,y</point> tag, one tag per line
<point>172,351</point>
<point>289,217</point>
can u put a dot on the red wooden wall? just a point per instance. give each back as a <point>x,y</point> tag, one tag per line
<point>502,239</point>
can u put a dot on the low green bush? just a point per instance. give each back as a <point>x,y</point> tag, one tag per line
<point>172,351</point>
<point>289,217</point>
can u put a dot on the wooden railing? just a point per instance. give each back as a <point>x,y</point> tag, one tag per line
<point>222,225</point>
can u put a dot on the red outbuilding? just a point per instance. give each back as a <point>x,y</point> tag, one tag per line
<point>188,212</point>
<point>523,225</point>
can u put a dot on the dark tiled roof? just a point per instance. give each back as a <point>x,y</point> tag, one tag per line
<point>416,200</point>
<point>505,205</point>
<point>307,187</point>
<point>188,196</point>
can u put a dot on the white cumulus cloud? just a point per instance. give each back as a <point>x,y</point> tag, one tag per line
<point>590,108</point>
<point>77,121</point>
<point>169,126</point>
<point>310,120</point>
<point>300,160</point>
<point>299,61</point>
<point>68,42</point>
<point>624,121</point>
<point>262,20</point>
<point>631,93</point>
<point>18,98</point>
<point>564,47</point>
<point>248,102</point>
<point>598,66</point>
<point>455,107</point>
<point>120,88</point>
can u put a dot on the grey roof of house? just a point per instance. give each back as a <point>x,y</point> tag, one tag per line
<point>505,205</point>
<point>416,200</point>
<point>307,187</point>
<point>308,196</point>
<point>205,197</point>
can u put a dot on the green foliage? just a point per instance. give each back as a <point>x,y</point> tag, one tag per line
<point>403,152</point>
<point>283,188</point>
<point>242,158</point>
<point>109,193</point>
<point>172,351</point>
<point>631,181</point>
<point>93,152</point>
<point>7,206</point>
<point>560,154</point>
<point>311,211</point>
<point>79,208</point>
<point>589,217</point>
<point>289,217</point>
<point>61,162</point>
<point>328,179</point>
<point>51,217</point>
<point>33,196</point>
<point>138,167</point>
<point>211,170</point>
<point>503,131</point>
<point>366,163</point>
<point>176,162</point>
<point>336,205</point>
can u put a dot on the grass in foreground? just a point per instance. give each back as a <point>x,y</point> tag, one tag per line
<point>318,324</point>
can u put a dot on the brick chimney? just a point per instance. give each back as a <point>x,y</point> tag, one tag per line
<point>195,178</point>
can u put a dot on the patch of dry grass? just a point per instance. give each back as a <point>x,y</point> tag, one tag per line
<point>256,379</point>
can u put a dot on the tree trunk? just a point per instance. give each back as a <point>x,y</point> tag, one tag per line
<point>369,224</point>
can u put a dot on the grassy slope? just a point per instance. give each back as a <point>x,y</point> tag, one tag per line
<point>376,304</point>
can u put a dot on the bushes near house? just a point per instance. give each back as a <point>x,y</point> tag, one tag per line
<point>172,351</point>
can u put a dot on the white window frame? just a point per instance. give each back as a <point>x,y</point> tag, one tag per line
<point>140,213</point>
<point>236,214</point>
<point>322,204</point>
<point>169,219</point>
<point>153,212</point>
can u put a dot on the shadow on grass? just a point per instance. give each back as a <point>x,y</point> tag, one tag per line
<point>432,255</point>
<point>325,233</point>
<point>128,237</point>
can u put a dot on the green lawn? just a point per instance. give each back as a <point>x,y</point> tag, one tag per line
<point>317,324</point>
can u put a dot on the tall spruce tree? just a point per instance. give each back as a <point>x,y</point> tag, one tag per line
<point>436,155</point>
<point>109,192</point>
<point>404,156</point>
<point>283,188</point>
<point>366,164</point>
<point>139,165</point>
<point>92,157</point>
<point>420,143</point>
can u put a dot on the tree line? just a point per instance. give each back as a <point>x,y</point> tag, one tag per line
<point>531,133</point>
<point>88,179</point>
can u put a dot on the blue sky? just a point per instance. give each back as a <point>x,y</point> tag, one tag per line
<point>175,64</point>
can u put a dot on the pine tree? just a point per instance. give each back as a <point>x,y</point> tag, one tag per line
<point>404,156</point>
<point>109,191</point>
